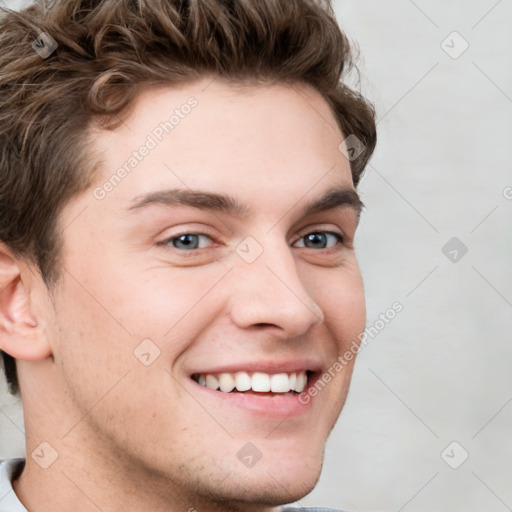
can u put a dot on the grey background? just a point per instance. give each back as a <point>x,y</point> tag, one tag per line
<point>441,371</point>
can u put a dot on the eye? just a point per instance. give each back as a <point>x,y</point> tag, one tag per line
<point>187,241</point>
<point>320,240</point>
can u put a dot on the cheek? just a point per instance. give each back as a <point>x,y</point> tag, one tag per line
<point>341,297</point>
<point>92,346</point>
<point>106,311</point>
<point>166,304</point>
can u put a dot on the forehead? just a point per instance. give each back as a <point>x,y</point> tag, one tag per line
<point>214,135</point>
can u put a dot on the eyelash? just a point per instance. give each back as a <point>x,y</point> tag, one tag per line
<point>168,241</point>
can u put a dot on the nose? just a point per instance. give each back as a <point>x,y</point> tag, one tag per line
<point>270,292</point>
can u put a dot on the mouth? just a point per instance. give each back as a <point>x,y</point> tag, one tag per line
<point>256,383</point>
<point>262,389</point>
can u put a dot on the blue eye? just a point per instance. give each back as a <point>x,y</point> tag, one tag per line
<point>321,240</point>
<point>187,241</point>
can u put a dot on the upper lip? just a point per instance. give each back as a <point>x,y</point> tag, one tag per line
<point>270,367</point>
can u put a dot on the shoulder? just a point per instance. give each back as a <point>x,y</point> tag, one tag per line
<point>10,469</point>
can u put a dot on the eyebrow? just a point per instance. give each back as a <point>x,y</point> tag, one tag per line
<point>334,198</point>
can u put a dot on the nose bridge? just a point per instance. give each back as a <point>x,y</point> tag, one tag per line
<point>269,289</point>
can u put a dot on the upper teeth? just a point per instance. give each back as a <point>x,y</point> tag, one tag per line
<point>258,381</point>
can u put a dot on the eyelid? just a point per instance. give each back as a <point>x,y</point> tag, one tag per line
<point>191,228</point>
<point>319,228</point>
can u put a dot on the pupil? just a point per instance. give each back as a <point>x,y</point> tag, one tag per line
<point>186,241</point>
<point>316,239</point>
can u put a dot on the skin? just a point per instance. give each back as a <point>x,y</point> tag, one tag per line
<point>135,437</point>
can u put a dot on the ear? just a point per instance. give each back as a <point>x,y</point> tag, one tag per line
<point>21,332</point>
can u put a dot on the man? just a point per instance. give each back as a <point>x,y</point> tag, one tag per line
<point>177,268</point>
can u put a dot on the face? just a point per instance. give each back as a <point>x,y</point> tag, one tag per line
<point>222,256</point>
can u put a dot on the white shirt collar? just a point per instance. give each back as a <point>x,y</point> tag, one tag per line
<point>9,502</point>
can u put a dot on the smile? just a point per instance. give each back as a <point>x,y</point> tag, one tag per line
<point>257,382</point>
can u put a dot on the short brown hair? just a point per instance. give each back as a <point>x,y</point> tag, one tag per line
<point>107,52</point>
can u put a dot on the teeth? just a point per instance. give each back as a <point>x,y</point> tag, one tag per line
<point>280,383</point>
<point>226,382</point>
<point>302,380</point>
<point>211,382</point>
<point>243,381</point>
<point>259,382</point>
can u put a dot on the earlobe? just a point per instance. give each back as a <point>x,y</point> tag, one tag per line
<point>21,334</point>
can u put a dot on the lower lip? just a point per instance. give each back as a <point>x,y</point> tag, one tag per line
<point>273,406</point>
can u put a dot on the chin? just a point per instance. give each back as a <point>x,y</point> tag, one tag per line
<point>275,480</point>
<point>270,490</point>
